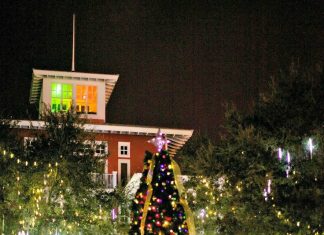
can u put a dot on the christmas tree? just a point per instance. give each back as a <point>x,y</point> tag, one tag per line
<point>160,206</point>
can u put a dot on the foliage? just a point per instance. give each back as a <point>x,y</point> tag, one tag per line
<point>198,151</point>
<point>48,185</point>
<point>246,159</point>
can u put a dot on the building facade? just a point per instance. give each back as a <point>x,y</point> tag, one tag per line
<point>123,145</point>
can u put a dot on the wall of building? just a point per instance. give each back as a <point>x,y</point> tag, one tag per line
<point>138,145</point>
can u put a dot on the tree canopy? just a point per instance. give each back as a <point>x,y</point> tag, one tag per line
<point>46,181</point>
<point>266,175</point>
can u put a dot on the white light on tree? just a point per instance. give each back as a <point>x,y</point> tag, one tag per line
<point>310,147</point>
<point>288,167</point>
<point>279,154</point>
<point>269,187</point>
<point>267,190</point>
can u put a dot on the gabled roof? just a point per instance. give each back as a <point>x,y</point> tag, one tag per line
<point>177,137</point>
<point>39,75</point>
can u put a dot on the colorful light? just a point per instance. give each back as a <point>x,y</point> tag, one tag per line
<point>114,214</point>
<point>288,159</point>
<point>279,154</point>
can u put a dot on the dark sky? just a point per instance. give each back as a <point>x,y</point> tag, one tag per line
<point>178,61</point>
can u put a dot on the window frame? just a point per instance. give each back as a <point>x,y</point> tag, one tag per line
<point>63,98</point>
<point>123,144</point>
<point>85,92</point>
<point>99,143</point>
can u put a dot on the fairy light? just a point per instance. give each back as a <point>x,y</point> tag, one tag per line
<point>279,154</point>
<point>310,147</point>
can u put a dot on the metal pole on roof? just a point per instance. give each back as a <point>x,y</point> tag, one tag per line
<point>73,45</point>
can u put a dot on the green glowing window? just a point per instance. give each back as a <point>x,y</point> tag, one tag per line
<point>61,97</point>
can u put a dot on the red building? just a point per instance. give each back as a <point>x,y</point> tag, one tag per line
<point>124,145</point>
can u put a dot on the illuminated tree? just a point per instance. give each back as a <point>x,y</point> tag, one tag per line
<point>159,206</point>
<point>48,187</point>
<point>269,162</point>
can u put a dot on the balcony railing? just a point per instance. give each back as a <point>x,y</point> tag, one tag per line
<point>108,181</point>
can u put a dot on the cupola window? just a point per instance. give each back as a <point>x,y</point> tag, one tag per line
<point>61,97</point>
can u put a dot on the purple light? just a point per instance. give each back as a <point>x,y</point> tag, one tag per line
<point>288,157</point>
<point>114,213</point>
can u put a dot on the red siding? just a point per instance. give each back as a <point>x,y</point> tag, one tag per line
<point>138,146</point>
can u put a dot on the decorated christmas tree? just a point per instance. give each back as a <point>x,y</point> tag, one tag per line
<point>160,206</point>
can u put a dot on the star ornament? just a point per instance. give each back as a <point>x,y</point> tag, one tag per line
<point>160,141</point>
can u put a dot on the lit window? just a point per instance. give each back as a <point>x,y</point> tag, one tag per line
<point>124,149</point>
<point>86,99</point>
<point>61,97</point>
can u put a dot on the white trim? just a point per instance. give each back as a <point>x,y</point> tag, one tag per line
<point>100,142</point>
<point>113,128</point>
<point>106,170</point>
<point>127,161</point>
<point>122,144</point>
<point>39,76</point>
<point>178,137</point>
<point>74,75</point>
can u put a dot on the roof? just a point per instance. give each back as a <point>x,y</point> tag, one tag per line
<point>177,137</point>
<point>38,76</point>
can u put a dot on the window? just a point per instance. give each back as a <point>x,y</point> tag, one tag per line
<point>101,148</point>
<point>123,149</point>
<point>61,97</point>
<point>98,148</point>
<point>28,141</point>
<point>86,99</point>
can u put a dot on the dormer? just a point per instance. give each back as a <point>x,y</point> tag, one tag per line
<point>89,93</point>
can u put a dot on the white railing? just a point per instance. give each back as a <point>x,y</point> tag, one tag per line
<point>108,181</point>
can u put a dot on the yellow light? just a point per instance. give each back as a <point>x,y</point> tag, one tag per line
<point>165,224</point>
<point>12,155</point>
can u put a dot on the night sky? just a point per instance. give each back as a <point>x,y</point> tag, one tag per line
<point>179,61</point>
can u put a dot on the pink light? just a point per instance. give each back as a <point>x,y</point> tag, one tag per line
<point>288,157</point>
<point>279,154</point>
<point>113,214</point>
